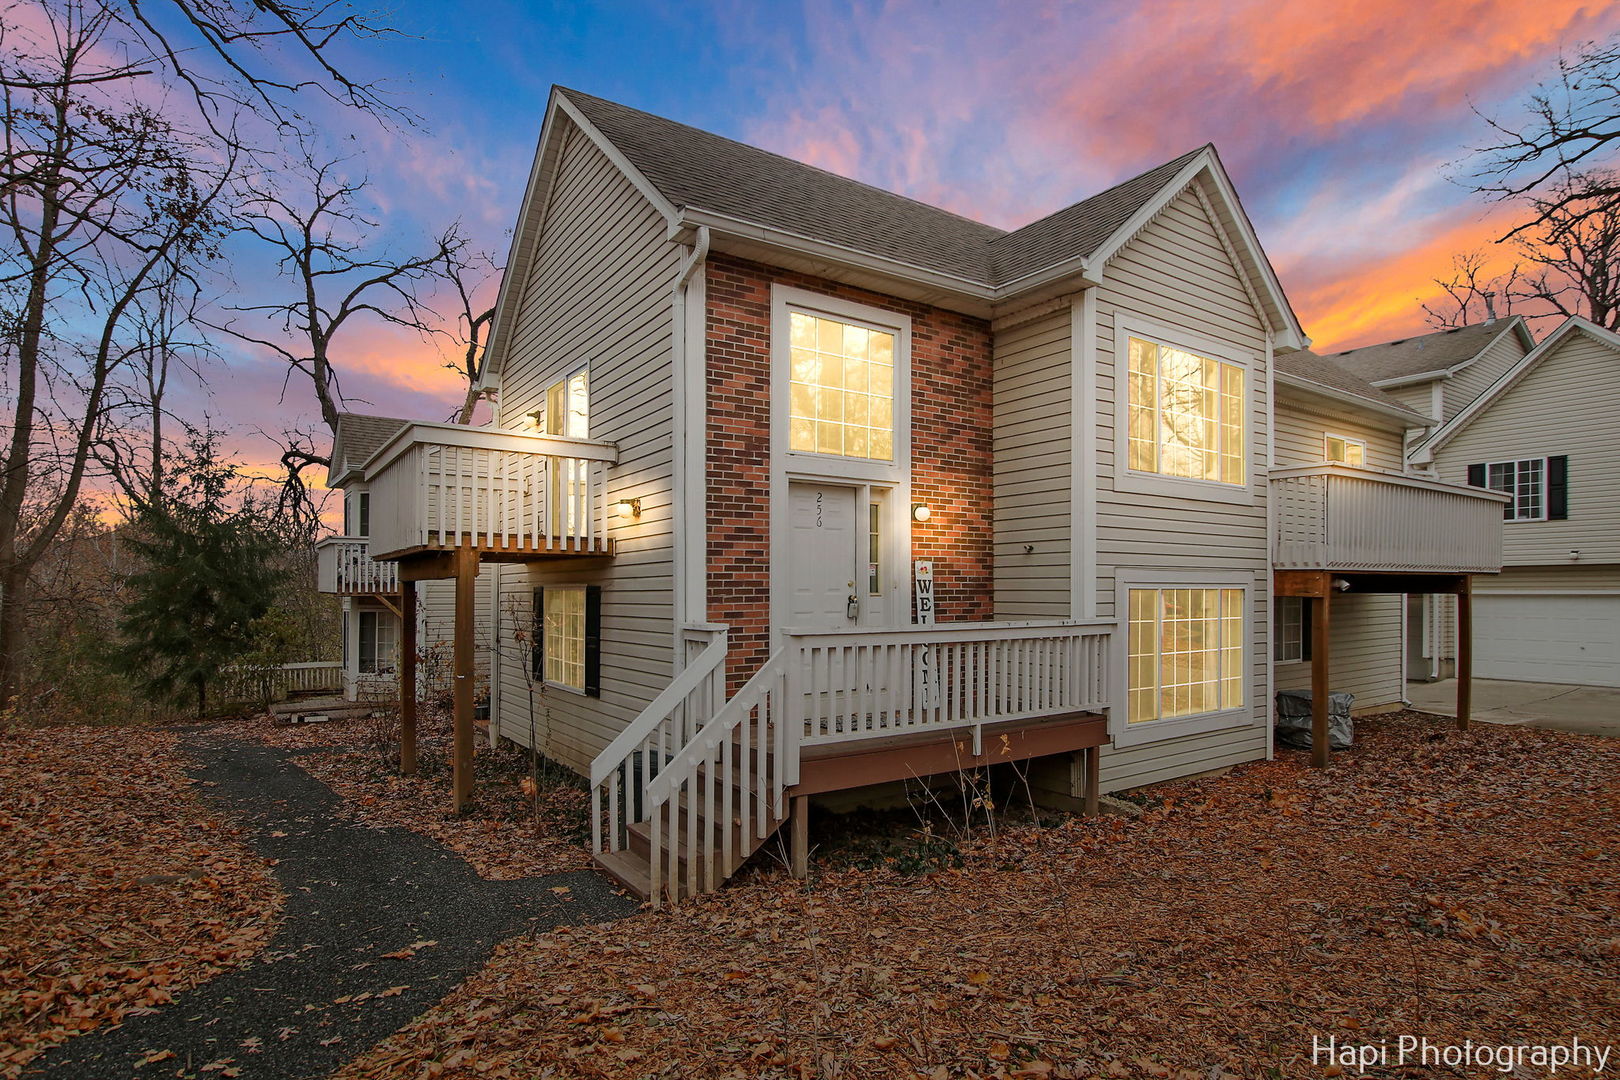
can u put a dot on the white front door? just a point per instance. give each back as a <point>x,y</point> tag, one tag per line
<point>825,538</point>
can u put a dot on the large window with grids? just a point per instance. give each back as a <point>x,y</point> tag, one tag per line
<point>1184,414</point>
<point>1526,482</point>
<point>840,388</point>
<point>1185,652</point>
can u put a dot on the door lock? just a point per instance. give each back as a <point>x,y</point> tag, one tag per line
<point>852,609</point>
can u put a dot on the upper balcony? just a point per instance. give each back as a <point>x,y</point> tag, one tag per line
<point>513,495</point>
<point>344,566</point>
<point>1331,517</point>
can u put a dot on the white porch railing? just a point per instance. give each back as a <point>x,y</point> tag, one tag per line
<point>443,485</point>
<point>1331,517</point>
<point>863,683</point>
<point>344,565</point>
<point>693,759</point>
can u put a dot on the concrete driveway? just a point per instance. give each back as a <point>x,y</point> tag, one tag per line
<point>1593,710</point>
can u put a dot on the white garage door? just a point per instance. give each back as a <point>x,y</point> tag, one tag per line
<point>1554,639</point>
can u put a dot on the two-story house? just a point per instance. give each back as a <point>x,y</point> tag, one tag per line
<point>1543,433</point>
<point>796,486</point>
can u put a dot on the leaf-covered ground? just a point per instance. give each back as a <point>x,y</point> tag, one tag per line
<point>528,817</point>
<point>119,888</point>
<point>1454,886</point>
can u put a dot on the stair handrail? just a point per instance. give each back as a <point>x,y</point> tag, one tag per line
<point>738,785</point>
<point>657,711</point>
<point>648,736</point>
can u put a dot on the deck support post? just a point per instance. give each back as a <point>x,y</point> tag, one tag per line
<point>466,565</point>
<point>407,678</point>
<point>1321,627</point>
<point>1091,758</point>
<point>799,848</point>
<point>1465,652</point>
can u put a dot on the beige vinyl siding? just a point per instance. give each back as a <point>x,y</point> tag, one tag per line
<point>1571,577</point>
<point>436,634</point>
<point>1033,468</point>
<point>1176,271</point>
<point>1567,404</point>
<point>1303,422</point>
<point>598,293</point>
<point>1365,653</point>
<point>1471,381</point>
<point>1419,397</point>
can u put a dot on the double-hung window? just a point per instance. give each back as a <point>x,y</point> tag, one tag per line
<point>1185,652</point>
<point>1291,630</point>
<point>1184,414</point>
<point>1526,482</point>
<point>568,637</point>
<point>379,643</point>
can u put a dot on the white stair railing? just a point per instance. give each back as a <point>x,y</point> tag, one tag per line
<point>723,793</point>
<point>620,773</point>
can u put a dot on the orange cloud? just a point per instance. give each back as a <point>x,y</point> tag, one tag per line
<point>1382,299</point>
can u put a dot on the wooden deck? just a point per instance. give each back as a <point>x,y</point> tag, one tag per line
<point>506,549</point>
<point>841,766</point>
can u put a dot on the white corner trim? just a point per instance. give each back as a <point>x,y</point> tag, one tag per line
<point>1083,408</point>
<point>689,342</point>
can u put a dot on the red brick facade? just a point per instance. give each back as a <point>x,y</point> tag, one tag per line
<point>950,450</point>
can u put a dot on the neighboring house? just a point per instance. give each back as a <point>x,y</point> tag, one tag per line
<point>372,631</point>
<point>1544,433</point>
<point>796,486</point>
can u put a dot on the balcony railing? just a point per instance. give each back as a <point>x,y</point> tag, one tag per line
<point>441,486</point>
<point>344,566</point>
<point>1330,517</point>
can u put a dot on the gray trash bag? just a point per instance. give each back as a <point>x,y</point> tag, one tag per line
<point>1294,719</point>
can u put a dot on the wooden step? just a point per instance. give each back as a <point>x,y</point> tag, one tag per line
<point>629,870</point>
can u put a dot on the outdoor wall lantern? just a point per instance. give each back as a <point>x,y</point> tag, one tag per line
<point>629,508</point>
<point>920,512</point>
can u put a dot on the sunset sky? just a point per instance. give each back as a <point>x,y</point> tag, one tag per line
<point>1345,126</point>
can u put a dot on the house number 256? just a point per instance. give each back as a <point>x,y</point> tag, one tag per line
<point>819,497</point>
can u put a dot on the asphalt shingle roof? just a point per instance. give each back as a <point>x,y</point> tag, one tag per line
<point>703,171</point>
<point>1327,372</point>
<point>361,436</point>
<point>1416,355</point>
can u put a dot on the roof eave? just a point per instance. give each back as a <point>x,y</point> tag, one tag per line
<point>723,226</point>
<point>1409,380</point>
<point>1394,412</point>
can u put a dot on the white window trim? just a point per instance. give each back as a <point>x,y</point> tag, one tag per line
<point>1125,733</point>
<point>545,652</point>
<point>1514,494</point>
<point>800,465</point>
<point>1348,441</point>
<point>542,414</point>
<point>1127,326</point>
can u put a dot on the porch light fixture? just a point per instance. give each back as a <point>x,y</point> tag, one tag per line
<point>629,508</point>
<point>920,512</point>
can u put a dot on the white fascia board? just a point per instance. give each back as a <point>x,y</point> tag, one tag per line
<point>1424,452</point>
<point>1420,377</point>
<point>517,256</point>
<point>725,226</point>
<point>1395,412</point>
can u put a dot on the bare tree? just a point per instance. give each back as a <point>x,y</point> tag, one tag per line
<point>337,284</point>
<point>106,201</point>
<point>1571,126</point>
<point>470,278</point>
<point>1567,265</point>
